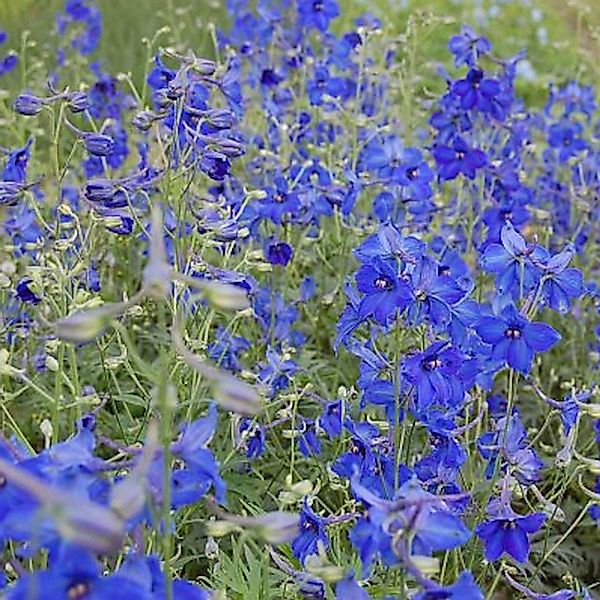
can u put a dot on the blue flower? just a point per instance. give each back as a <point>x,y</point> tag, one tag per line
<point>74,574</point>
<point>458,158</point>
<point>565,137</point>
<point>349,589</point>
<point>254,438</point>
<point>331,418</point>
<point>516,265</point>
<point>561,284</point>
<point>439,375</point>
<point>308,442</point>
<point>476,91</point>
<point>25,294</point>
<point>384,157</point>
<point>515,340</point>
<point>324,84</point>
<point>509,444</point>
<point>468,47</point>
<point>464,588</point>
<point>281,202</point>
<point>426,521</point>
<point>509,534</point>
<point>312,531</point>
<point>385,292</point>
<point>317,14</point>
<point>434,293</point>
<point>278,253</point>
<point>414,175</point>
<point>15,168</point>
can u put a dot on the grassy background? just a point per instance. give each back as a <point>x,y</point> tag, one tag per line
<point>572,30</point>
<point>572,26</point>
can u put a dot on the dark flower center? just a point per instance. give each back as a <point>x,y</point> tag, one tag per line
<point>356,449</point>
<point>460,155</point>
<point>78,591</point>
<point>412,173</point>
<point>432,363</point>
<point>383,283</point>
<point>420,295</point>
<point>514,333</point>
<point>318,5</point>
<point>3,480</point>
<point>437,595</point>
<point>509,525</point>
<point>278,197</point>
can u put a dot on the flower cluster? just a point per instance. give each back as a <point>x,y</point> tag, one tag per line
<point>285,295</point>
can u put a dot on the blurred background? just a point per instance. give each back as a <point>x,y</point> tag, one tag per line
<point>561,37</point>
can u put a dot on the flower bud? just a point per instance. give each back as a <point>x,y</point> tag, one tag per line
<point>98,144</point>
<point>225,296</point>
<point>86,325</point>
<point>220,118</point>
<point>428,565</point>
<point>237,396</point>
<point>100,190</point>
<point>78,102</point>
<point>274,528</point>
<point>28,105</point>
<point>220,528</point>
<point>10,192</point>
<point>90,525</point>
<point>204,66</point>
<point>211,548</point>
<point>51,364</point>
<point>593,410</point>
<point>5,368</point>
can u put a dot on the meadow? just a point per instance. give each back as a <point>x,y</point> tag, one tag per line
<point>299,300</point>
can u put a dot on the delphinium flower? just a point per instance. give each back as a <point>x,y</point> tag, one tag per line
<point>508,533</point>
<point>89,15</point>
<point>464,588</point>
<point>252,438</point>
<point>565,138</point>
<point>434,293</point>
<point>330,162</point>
<point>10,61</point>
<point>482,93</point>
<point>516,264</point>
<point>514,340</point>
<point>348,588</point>
<point>468,47</point>
<point>507,447</point>
<point>331,418</point>
<point>226,348</point>
<point>458,157</point>
<point>280,202</point>
<point>75,574</point>
<point>384,291</point>
<point>317,13</point>
<point>312,532</point>
<point>278,253</point>
<point>412,514</point>
<point>309,443</point>
<point>441,375</point>
<point>561,283</point>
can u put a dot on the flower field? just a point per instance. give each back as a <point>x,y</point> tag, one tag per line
<point>299,300</point>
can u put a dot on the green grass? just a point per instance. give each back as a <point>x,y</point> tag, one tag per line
<point>570,52</point>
